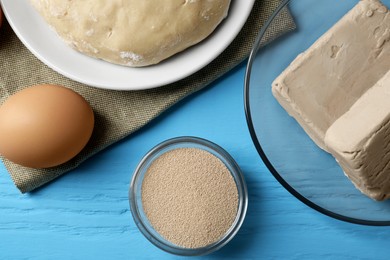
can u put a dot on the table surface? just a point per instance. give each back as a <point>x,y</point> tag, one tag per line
<point>85,214</point>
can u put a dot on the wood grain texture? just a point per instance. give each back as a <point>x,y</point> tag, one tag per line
<point>85,214</point>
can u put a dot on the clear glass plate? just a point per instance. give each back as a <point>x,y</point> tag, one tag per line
<point>309,173</point>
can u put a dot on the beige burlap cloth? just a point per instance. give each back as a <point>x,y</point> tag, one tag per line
<point>119,113</point>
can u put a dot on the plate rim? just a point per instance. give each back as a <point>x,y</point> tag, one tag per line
<point>156,74</point>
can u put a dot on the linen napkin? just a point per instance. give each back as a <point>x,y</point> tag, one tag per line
<point>120,113</point>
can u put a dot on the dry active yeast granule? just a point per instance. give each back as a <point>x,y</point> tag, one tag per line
<point>189,197</point>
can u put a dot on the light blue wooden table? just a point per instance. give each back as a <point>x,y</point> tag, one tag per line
<point>85,214</point>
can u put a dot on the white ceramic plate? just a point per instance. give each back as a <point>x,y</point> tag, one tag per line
<point>50,49</point>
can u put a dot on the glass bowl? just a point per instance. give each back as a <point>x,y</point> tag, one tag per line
<point>140,217</point>
<point>306,171</point>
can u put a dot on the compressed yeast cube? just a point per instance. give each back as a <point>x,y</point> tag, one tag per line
<point>348,64</point>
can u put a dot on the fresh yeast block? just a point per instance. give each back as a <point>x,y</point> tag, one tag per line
<point>323,82</point>
<point>337,77</point>
<point>360,141</point>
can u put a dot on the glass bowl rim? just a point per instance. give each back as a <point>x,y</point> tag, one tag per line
<point>221,154</point>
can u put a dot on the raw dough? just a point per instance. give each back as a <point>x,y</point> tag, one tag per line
<point>132,32</point>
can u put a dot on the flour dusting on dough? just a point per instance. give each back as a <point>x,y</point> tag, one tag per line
<point>129,57</point>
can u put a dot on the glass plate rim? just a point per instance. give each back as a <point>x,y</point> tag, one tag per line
<point>257,143</point>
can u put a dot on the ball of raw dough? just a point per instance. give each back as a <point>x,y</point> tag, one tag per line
<point>133,32</point>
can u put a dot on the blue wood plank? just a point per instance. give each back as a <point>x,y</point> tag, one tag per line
<point>85,214</point>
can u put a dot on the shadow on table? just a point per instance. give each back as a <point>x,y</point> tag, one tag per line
<point>248,236</point>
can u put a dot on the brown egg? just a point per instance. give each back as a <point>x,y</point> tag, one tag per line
<point>44,126</point>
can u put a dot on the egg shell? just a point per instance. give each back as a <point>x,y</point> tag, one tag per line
<point>44,126</point>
